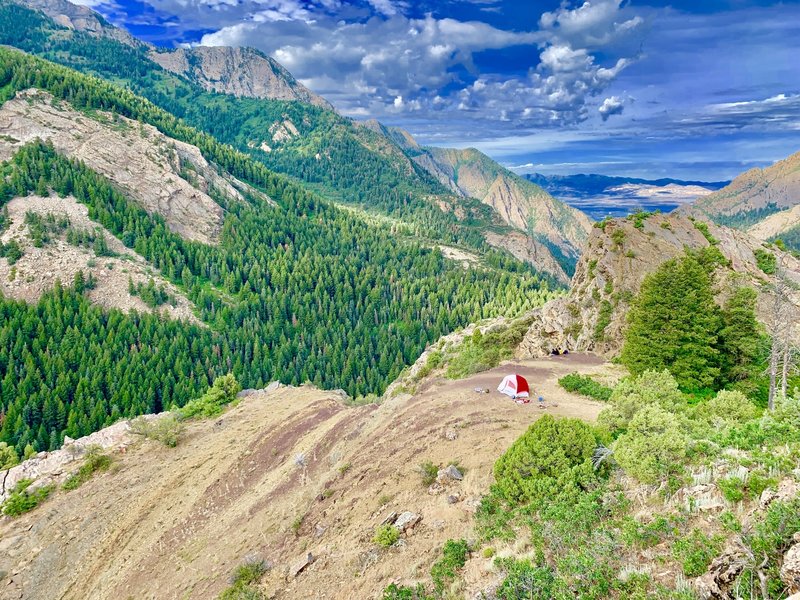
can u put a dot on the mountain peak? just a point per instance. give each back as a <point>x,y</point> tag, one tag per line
<point>239,71</point>
<point>80,18</point>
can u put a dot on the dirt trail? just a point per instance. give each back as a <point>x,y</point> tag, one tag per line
<point>281,474</point>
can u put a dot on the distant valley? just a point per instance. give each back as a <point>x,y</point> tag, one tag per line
<point>601,196</point>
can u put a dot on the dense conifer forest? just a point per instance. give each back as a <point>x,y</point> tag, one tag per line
<point>298,291</point>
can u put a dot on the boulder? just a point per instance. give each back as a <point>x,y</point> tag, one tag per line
<point>301,565</point>
<point>451,435</point>
<point>790,570</point>
<point>717,582</point>
<point>407,520</point>
<point>787,490</point>
<point>275,385</point>
<point>391,518</point>
<point>449,473</point>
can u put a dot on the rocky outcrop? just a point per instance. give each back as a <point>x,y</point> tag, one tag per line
<point>52,467</point>
<point>242,72</point>
<point>615,261</point>
<point>164,176</point>
<point>717,583</point>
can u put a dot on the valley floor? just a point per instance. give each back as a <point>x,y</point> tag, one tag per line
<point>283,474</point>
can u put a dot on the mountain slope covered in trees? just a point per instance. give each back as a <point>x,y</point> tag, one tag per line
<point>296,288</point>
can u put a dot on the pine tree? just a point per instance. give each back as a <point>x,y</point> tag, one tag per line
<point>673,324</point>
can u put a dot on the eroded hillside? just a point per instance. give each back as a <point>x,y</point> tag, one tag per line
<point>287,473</point>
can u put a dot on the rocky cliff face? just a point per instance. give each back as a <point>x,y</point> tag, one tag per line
<point>774,191</point>
<point>243,72</point>
<point>615,261</point>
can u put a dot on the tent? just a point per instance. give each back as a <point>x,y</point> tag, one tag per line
<point>515,386</point>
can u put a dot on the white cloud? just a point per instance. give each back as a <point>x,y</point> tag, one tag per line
<point>612,105</point>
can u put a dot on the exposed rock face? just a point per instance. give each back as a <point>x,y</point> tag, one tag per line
<point>529,250</point>
<point>718,581</point>
<point>243,72</point>
<point>756,189</point>
<point>50,467</point>
<point>615,261</point>
<point>238,71</point>
<point>148,166</point>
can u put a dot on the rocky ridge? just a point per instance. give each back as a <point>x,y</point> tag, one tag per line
<point>615,261</point>
<point>242,72</point>
<point>292,476</point>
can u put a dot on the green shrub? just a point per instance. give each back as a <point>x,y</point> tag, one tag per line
<point>525,580</point>
<point>769,539</point>
<point>386,536</point>
<point>732,489</point>
<point>653,446</point>
<point>552,459</point>
<point>651,388</point>
<point>730,522</point>
<point>617,237</point>
<point>95,461</point>
<point>21,500</point>
<point>646,535</point>
<point>586,386</point>
<point>481,352</point>
<point>728,408</point>
<point>766,261</point>
<point>702,227</point>
<point>493,518</point>
<point>454,557</point>
<point>404,592</point>
<point>695,552</point>
<point>429,471</point>
<point>166,429</point>
<point>8,456</point>
<point>603,320</point>
<point>222,392</point>
<point>244,582</point>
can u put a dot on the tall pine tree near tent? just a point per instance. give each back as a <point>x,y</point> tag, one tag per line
<point>673,324</point>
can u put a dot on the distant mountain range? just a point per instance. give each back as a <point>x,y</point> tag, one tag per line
<point>600,195</point>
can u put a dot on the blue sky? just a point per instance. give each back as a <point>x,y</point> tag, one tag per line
<point>699,89</point>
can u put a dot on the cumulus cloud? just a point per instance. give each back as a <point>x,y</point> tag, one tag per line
<point>365,54</point>
<point>612,105</point>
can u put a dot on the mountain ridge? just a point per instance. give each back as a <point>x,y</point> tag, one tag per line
<point>762,201</point>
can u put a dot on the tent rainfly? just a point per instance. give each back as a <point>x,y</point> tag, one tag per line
<point>514,386</point>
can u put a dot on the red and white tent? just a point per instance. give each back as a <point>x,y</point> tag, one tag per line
<point>515,386</point>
